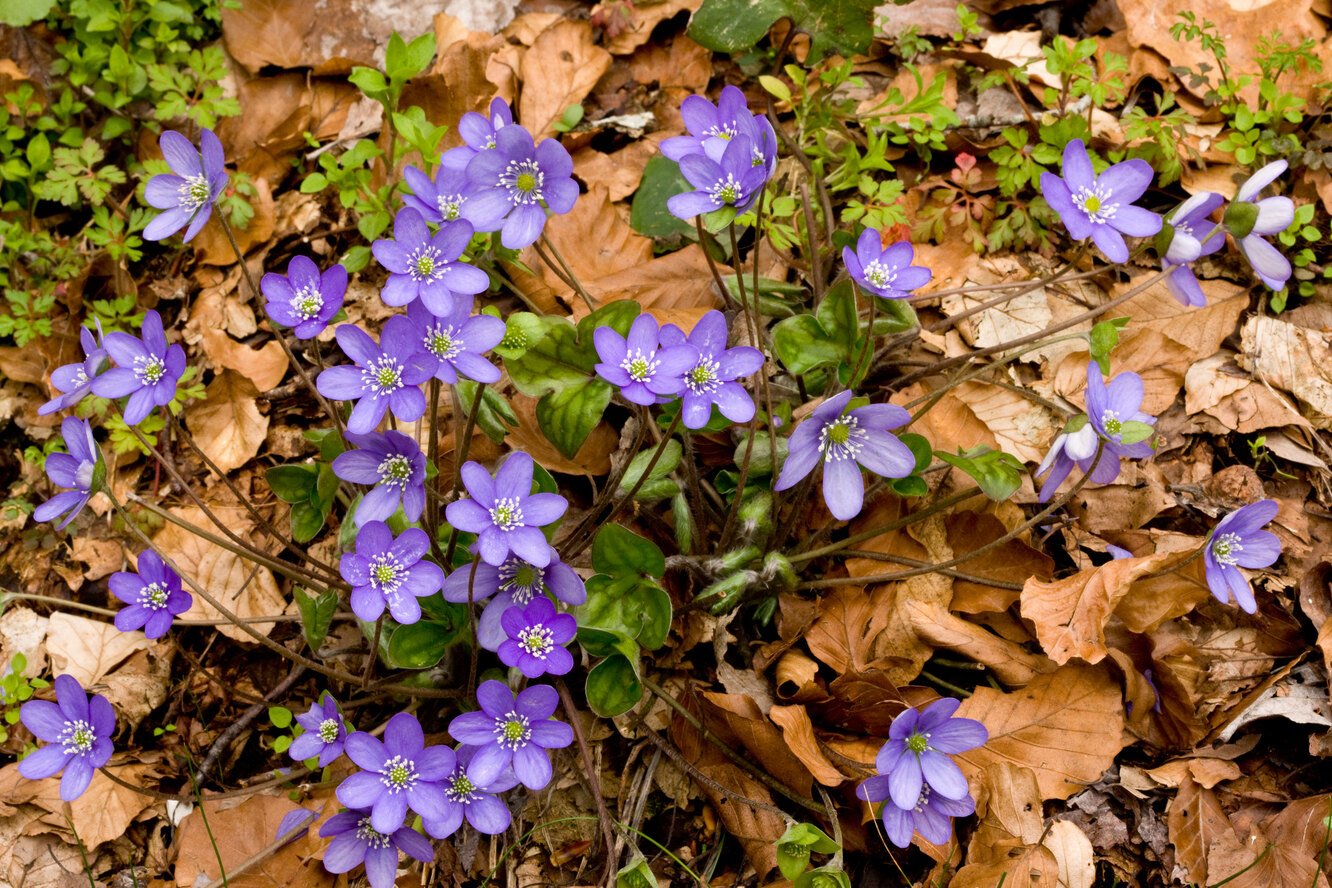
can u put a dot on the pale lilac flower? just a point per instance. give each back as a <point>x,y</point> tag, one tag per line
<point>325,733</point>
<point>441,200</point>
<point>711,380</point>
<point>399,772</point>
<point>77,732</point>
<point>536,641</point>
<point>504,513</point>
<point>1249,221</point>
<point>148,369</point>
<point>512,731</point>
<point>516,183</point>
<point>74,381</point>
<point>713,127</point>
<point>187,194</point>
<point>384,571</point>
<point>295,824</point>
<point>394,464</point>
<point>425,265</point>
<point>733,181</point>
<point>515,583</point>
<point>885,272</point>
<point>1238,540</point>
<point>1185,227</point>
<point>303,298</point>
<point>1117,553</point>
<point>457,340</point>
<point>356,841</point>
<point>931,815</point>
<point>639,365</point>
<point>844,442</point>
<point>479,133</point>
<point>154,596</point>
<point>387,376</point>
<point>1101,207</point>
<point>480,805</point>
<point>919,748</point>
<point>77,470</point>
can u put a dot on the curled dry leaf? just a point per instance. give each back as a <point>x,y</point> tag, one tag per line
<point>1006,847</point>
<point>104,811</point>
<point>241,828</point>
<point>1295,359</point>
<point>798,732</point>
<point>227,424</point>
<point>559,70</point>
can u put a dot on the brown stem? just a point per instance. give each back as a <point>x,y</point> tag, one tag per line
<point>593,781</point>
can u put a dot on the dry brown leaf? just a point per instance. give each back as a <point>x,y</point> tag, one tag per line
<point>1150,602</point>
<point>738,719</point>
<point>1013,562</point>
<point>1219,388</point>
<point>1066,727</point>
<point>278,111</point>
<point>87,649</point>
<point>1073,853</point>
<point>227,424</point>
<point>1020,426</point>
<point>1013,664</point>
<point>559,70</point>
<point>620,171</point>
<point>1206,772</point>
<point>645,16</point>
<point>330,36</point>
<point>1005,848</point>
<point>1295,359</point>
<point>1070,614</point>
<point>593,458</point>
<point>798,732</point>
<point>241,828</point>
<point>101,814</point>
<point>678,64</point>
<point>263,367</point>
<point>1196,821</point>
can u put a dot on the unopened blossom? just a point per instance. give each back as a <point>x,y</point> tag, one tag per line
<point>1238,540</point>
<point>844,441</point>
<point>1248,221</point>
<point>441,199</point>
<point>76,470</point>
<point>884,271</point>
<point>732,181</point>
<point>515,583</point>
<point>397,773</point>
<point>77,732</point>
<point>516,183</point>
<point>479,804</point>
<point>640,365</point>
<point>479,133</point>
<point>711,378</point>
<point>305,299</point>
<point>1101,207</point>
<point>389,572</point>
<point>512,731</point>
<point>147,369</point>
<point>356,841</point>
<point>537,635</point>
<point>393,465</point>
<point>919,748</point>
<point>425,266</point>
<point>325,733</point>
<point>186,194</point>
<point>458,340</point>
<point>1109,407</point>
<point>504,513</point>
<point>386,376</point>
<point>1188,234</point>
<point>154,596</point>
<point>74,381</point>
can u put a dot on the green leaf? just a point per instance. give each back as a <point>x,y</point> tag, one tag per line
<point>665,464</point>
<point>279,716</point>
<point>1132,431</point>
<point>648,215</point>
<point>618,552</point>
<point>613,687</point>
<point>316,615</point>
<point>24,12</point>
<point>568,416</point>
<point>841,26</point>
<point>306,521</point>
<point>795,845</point>
<point>1103,338</point>
<point>293,483</point>
<point>600,642</point>
<point>802,345</point>
<point>419,645</point>
<point>636,874</point>
<point>999,474</point>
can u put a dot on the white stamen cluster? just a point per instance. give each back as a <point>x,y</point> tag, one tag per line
<point>426,264</point>
<point>395,470</point>
<point>537,640</point>
<point>398,774</point>
<point>76,738</point>
<point>513,731</point>
<point>149,369</point>
<point>194,192</point>
<point>703,378</point>
<point>382,376</point>
<point>521,580</point>
<point>842,439</point>
<point>523,180</point>
<point>640,365</point>
<point>1095,202</point>
<point>307,302</point>
<point>507,513</point>
<point>1225,547</point>
<point>371,836</point>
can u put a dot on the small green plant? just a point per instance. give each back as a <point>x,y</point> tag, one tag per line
<point>16,689</point>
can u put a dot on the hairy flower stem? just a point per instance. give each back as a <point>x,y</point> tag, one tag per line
<point>1040,516</point>
<point>569,277</point>
<point>703,507</point>
<point>728,529</point>
<point>461,449</point>
<point>723,290</point>
<point>432,458</point>
<point>593,782</point>
<point>761,340</point>
<point>869,338</point>
<point>277,330</point>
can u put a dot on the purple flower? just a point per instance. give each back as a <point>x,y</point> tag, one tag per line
<point>479,134</point>
<point>884,272</point>
<point>639,365</point>
<point>396,773</point>
<point>441,200</point>
<point>1101,207</point>
<point>77,470</point>
<point>304,299</point>
<point>1108,408</point>
<point>154,596</point>
<point>1249,221</point>
<point>515,184</point>
<point>296,823</point>
<point>74,381</point>
<point>513,731</point>
<point>1238,541</point>
<point>1182,234</point>
<point>711,379</point>
<point>504,513</point>
<point>931,815</point>
<point>426,266</point>
<point>713,127</point>
<point>77,732</point>
<point>479,804</point>
<point>457,339</point>
<point>845,441</point>
<point>536,641</point>
<point>513,583</point>
<point>1117,553</point>
<point>733,181</point>
<point>386,376</point>
<point>387,571</point>
<point>918,751</point>
<point>325,733</point>
<point>148,369</point>
<point>188,195</point>
<point>395,465</point>
<point>355,841</point>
